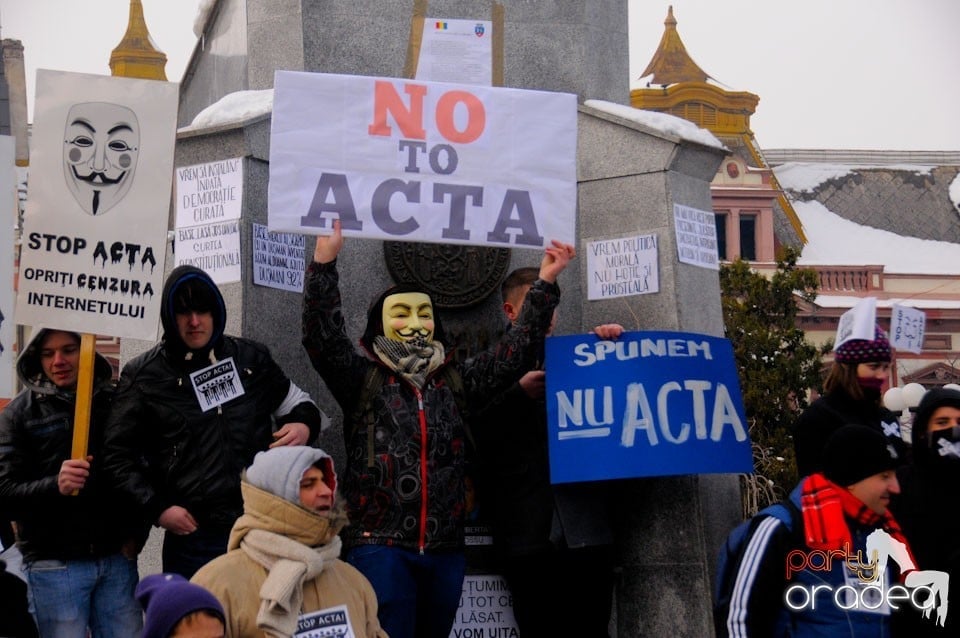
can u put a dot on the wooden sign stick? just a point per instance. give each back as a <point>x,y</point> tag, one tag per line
<point>81,416</point>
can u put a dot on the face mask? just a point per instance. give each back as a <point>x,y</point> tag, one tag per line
<point>408,316</point>
<point>870,383</point>
<point>946,443</point>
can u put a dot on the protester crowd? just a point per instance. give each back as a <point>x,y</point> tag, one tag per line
<point>263,537</point>
<point>863,545</point>
<point>254,516</point>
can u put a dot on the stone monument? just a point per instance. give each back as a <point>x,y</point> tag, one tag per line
<point>629,177</point>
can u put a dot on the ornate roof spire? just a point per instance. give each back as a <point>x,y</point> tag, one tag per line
<point>671,63</point>
<point>137,56</point>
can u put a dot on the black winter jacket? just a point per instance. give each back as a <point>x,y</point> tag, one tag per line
<point>164,450</point>
<point>831,411</point>
<point>413,496</point>
<point>528,514</point>
<point>36,435</point>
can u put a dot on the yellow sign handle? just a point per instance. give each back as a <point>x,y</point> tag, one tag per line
<point>81,417</point>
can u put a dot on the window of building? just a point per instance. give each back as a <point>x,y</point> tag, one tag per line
<point>748,237</point>
<point>721,221</point>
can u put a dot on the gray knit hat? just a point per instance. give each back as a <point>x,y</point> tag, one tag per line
<point>279,470</point>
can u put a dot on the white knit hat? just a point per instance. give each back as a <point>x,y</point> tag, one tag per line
<point>279,470</point>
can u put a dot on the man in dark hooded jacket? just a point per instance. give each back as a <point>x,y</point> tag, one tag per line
<point>190,415</point>
<point>404,477</point>
<point>79,538</point>
<point>926,500</point>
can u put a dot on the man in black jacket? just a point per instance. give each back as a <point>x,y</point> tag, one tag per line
<point>190,415</point>
<point>79,539</point>
<point>554,542</point>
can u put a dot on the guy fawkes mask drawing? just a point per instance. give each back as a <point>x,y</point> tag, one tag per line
<point>100,149</point>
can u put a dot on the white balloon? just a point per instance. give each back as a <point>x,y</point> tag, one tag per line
<point>913,394</point>
<point>893,400</point>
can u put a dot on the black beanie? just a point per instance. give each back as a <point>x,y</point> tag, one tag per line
<point>855,452</point>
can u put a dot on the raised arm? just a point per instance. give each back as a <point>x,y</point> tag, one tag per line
<point>328,246</point>
<point>555,258</point>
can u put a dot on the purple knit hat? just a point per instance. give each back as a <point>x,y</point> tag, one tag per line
<point>863,351</point>
<point>167,598</point>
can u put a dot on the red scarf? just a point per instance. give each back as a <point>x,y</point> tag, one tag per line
<point>826,506</point>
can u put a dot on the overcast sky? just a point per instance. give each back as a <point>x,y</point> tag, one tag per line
<point>844,74</point>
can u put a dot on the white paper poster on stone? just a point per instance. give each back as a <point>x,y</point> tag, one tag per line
<point>622,267</point>
<point>907,328</point>
<point>278,259</point>
<point>95,226</point>
<point>210,192</point>
<point>696,237</point>
<point>8,217</point>
<point>486,608</point>
<point>857,323</point>
<point>214,248</point>
<point>405,160</point>
<point>456,51</point>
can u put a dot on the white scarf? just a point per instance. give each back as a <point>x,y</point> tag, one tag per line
<point>290,564</point>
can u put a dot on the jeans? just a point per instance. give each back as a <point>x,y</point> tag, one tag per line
<point>418,595</point>
<point>66,597</point>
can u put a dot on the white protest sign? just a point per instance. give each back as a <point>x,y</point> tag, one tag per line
<point>696,237</point>
<point>8,216</point>
<point>278,259</point>
<point>486,608</point>
<point>623,266</point>
<point>857,323</point>
<point>95,226</point>
<point>405,160</point>
<point>216,384</point>
<point>907,328</point>
<point>211,192</point>
<point>326,623</point>
<point>456,51</point>
<point>214,248</point>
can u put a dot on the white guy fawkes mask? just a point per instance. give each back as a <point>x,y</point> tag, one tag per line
<point>100,148</point>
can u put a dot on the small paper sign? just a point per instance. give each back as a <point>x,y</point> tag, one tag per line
<point>217,384</point>
<point>696,237</point>
<point>907,327</point>
<point>858,323</point>
<point>333,621</point>
<point>622,267</point>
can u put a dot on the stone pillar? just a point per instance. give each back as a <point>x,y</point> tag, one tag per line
<point>629,177</point>
<point>247,40</point>
<point>669,529</point>
<point>15,75</point>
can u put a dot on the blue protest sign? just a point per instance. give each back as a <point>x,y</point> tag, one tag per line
<point>647,404</point>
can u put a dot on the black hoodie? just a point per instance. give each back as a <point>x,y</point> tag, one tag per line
<point>164,449</point>
<point>926,510</point>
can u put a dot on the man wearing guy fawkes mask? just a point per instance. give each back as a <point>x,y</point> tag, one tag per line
<point>928,494</point>
<point>406,442</point>
<point>100,148</point>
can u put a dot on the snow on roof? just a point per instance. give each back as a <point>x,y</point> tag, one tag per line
<point>203,15</point>
<point>233,107</point>
<point>842,301</point>
<point>835,241</point>
<point>663,122</point>
<point>806,177</point>
<point>955,192</point>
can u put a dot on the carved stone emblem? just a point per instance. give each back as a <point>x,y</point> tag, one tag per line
<point>456,276</point>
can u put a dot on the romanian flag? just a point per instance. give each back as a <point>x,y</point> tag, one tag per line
<point>440,26</point>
